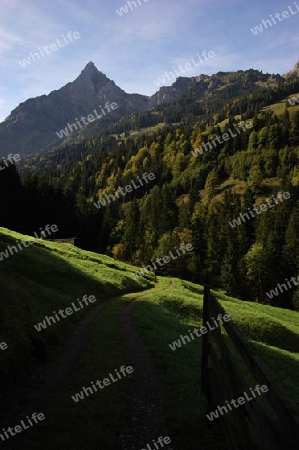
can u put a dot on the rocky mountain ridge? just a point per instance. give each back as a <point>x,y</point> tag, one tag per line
<point>35,125</point>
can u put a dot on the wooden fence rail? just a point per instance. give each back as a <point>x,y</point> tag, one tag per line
<point>250,426</point>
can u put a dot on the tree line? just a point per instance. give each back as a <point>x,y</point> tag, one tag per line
<point>192,200</point>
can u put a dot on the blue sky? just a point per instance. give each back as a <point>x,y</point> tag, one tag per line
<point>138,47</point>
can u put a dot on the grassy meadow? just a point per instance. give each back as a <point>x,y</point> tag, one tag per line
<point>48,276</point>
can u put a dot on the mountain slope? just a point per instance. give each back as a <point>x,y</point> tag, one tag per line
<point>294,72</point>
<point>46,277</point>
<point>50,276</point>
<point>32,126</point>
<point>196,197</point>
<point>37,123</point>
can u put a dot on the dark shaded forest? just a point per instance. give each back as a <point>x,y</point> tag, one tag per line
<point>192,199</point>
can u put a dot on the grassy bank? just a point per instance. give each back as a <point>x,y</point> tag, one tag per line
<point>162,318</point>
<point>47,277</point>
<point>43,278</point>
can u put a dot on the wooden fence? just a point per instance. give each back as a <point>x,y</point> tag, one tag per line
<point>249,426</point>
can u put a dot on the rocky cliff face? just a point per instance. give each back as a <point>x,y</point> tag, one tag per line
<point>167,94</point>
<point>92,88</point>
<point>294,72</point>
<point>32,126</point>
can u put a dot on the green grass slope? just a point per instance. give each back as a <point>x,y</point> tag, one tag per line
<point>43,278</point>
<point>48,276</point>
<point>162,318</point>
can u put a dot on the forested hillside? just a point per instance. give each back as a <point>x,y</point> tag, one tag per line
<point>195,196</point>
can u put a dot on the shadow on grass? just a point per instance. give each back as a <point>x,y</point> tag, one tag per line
<point>159,324</point>
<point>35,282</point>
<point>284,368</point>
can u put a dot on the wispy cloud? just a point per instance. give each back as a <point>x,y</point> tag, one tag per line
<point>8,40</point>
<point>136,48</point>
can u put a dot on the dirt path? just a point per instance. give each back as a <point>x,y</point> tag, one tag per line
<point>41,385</point>
<point>147,421</point>
<point>147,405</point>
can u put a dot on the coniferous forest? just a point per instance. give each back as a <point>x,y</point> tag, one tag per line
<point>192,199</point>
<point>149,225</point>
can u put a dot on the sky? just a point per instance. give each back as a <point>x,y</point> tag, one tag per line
<point>136,47</point>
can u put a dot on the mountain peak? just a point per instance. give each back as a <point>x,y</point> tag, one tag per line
<point>293,72</point>
<point>89,80</point>
<point>90,64</point>
<point>296,68</point>
<point>90,67</point>
<point>90,70</point>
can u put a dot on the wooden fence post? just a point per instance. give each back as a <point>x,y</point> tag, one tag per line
<point>205,344</point>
